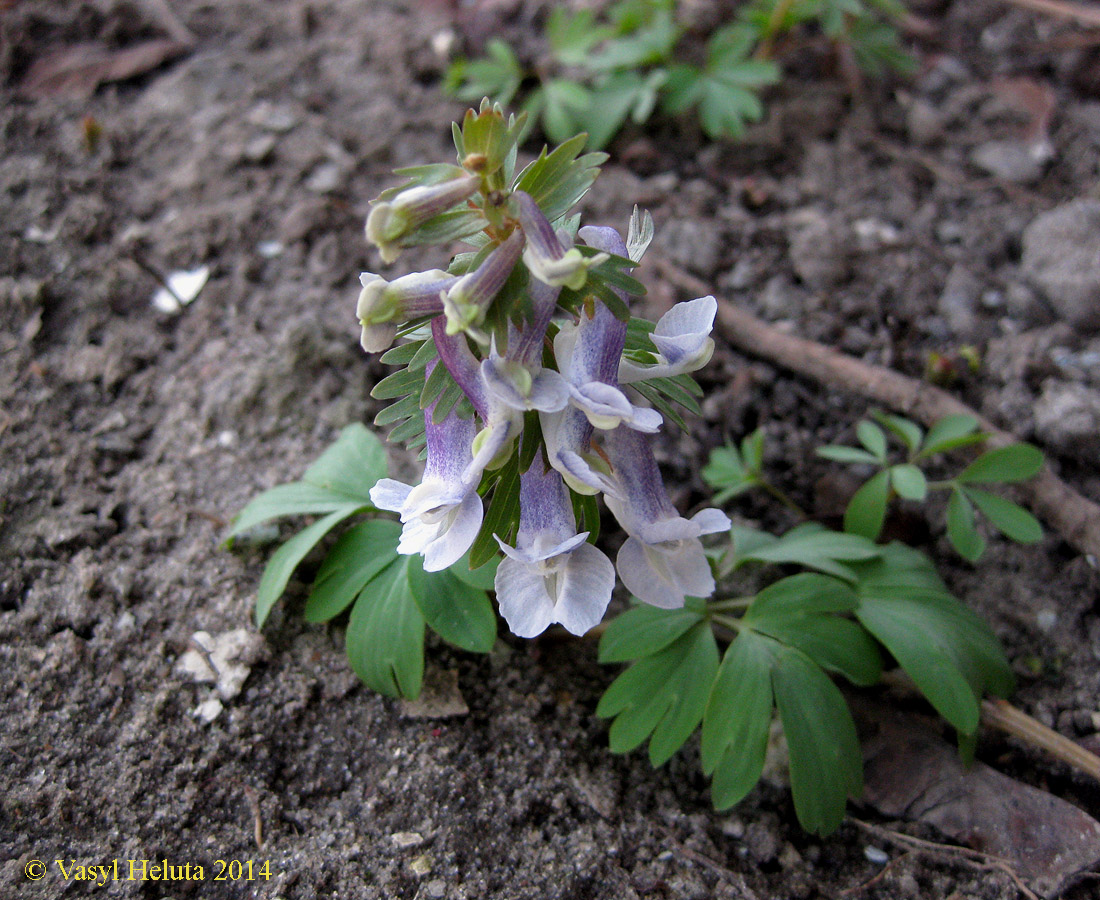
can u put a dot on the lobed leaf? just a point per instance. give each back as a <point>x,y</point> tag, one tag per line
<point>285,560</point>
<point>459,613</point>
<point>1007,517</point>
<point>645,630</point>
<point>909,482</point>
<point>826,765</point>
<point>812,546</point>
<point>738,718</point>
<point>866,511</point>
<point>1016,462</point>
<point>385,635</point>
<point>662,696</point>
<point>949,433</point>
<point>961,530</point>
<point>359,555</point>
<point>873,438</point>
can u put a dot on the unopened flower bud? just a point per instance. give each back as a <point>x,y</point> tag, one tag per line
<point>390,220</point>
<point>383,305</point>
<point>467,301</point>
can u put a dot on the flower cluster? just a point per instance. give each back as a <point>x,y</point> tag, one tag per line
<point>522,364</point>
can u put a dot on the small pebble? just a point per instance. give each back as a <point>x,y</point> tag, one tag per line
<point>876,856</point>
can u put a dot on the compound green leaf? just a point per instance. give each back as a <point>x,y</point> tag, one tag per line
<point>961,530</point>
<point>825,760</point>
<point>840,453</point>
<point>738,718</point>
<point>385,636</point>
<point>285,560</point>
<point>906,431</point>
<point>949,433</point>
<point>814,547</point>
<point>866,510</point>
<point>873,438</point>
<point>909,482</point>
<point>645,630</point>
<point>483,577</point>
<point>459,613</point>
<point>359,555</point>
<point>351,466</point>
<point>294,499</point>
<point>662,696</point>
<point>1016,462</point>
<point>1007,517</point>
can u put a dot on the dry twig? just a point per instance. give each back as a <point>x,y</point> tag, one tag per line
<point>1075,517</point>
<point>1001,714</point>
<point>1081,13</point>
<point>974,859</point>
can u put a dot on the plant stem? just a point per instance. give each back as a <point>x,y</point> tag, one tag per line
<point>775,20</point>
<point>732,603</point>
<point>727,621</point>
<point>777,494</point>
<point>1074,516</point>
<point>1001,714</point>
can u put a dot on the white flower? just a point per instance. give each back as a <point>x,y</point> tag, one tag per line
<point>552,574</point>
<point>545,256</point>
<point>383,305</point>
<point>662,560</point>
<point>683,342</point>
<point>391,220</point>
<point>441,515</point>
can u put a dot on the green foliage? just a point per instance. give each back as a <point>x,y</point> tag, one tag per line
<point>856,605</point>
<point>866,512</point>
<point>390,596</point>
<point>732,471</point>
<point>662,696</point>
<point>622,66</point>
<point>863,603</point>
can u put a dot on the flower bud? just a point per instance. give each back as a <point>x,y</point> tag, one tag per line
<point>467,301</point>
<point>391,220</point>
<point>384,305</point>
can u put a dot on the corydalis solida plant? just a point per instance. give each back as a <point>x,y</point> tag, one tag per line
<point>534,391</point>
<point>515,383</point>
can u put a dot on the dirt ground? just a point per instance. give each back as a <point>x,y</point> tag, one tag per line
<point>915,220</point>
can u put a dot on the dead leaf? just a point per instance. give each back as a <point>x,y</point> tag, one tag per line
<point>77,70</point>
<point>439,698</point>
<point>912,773</point>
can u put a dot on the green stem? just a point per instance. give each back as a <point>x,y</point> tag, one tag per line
<point>727,621</point>
<point>771,30</point>
<point>732,603</point>
<point>777,494</point>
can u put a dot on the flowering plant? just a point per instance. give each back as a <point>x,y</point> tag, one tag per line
<point>534,391</point>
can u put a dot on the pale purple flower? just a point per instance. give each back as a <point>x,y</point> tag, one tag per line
<point>683,342</point>
<point>441,515</point>
<point>662,560</point>
<point>552,574</point>
<point>545,256</point>
<point>518,379</point>
<point>383,305</point>
<point>390,220</point>
<point>589,356</point>
<point>467,300</point>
